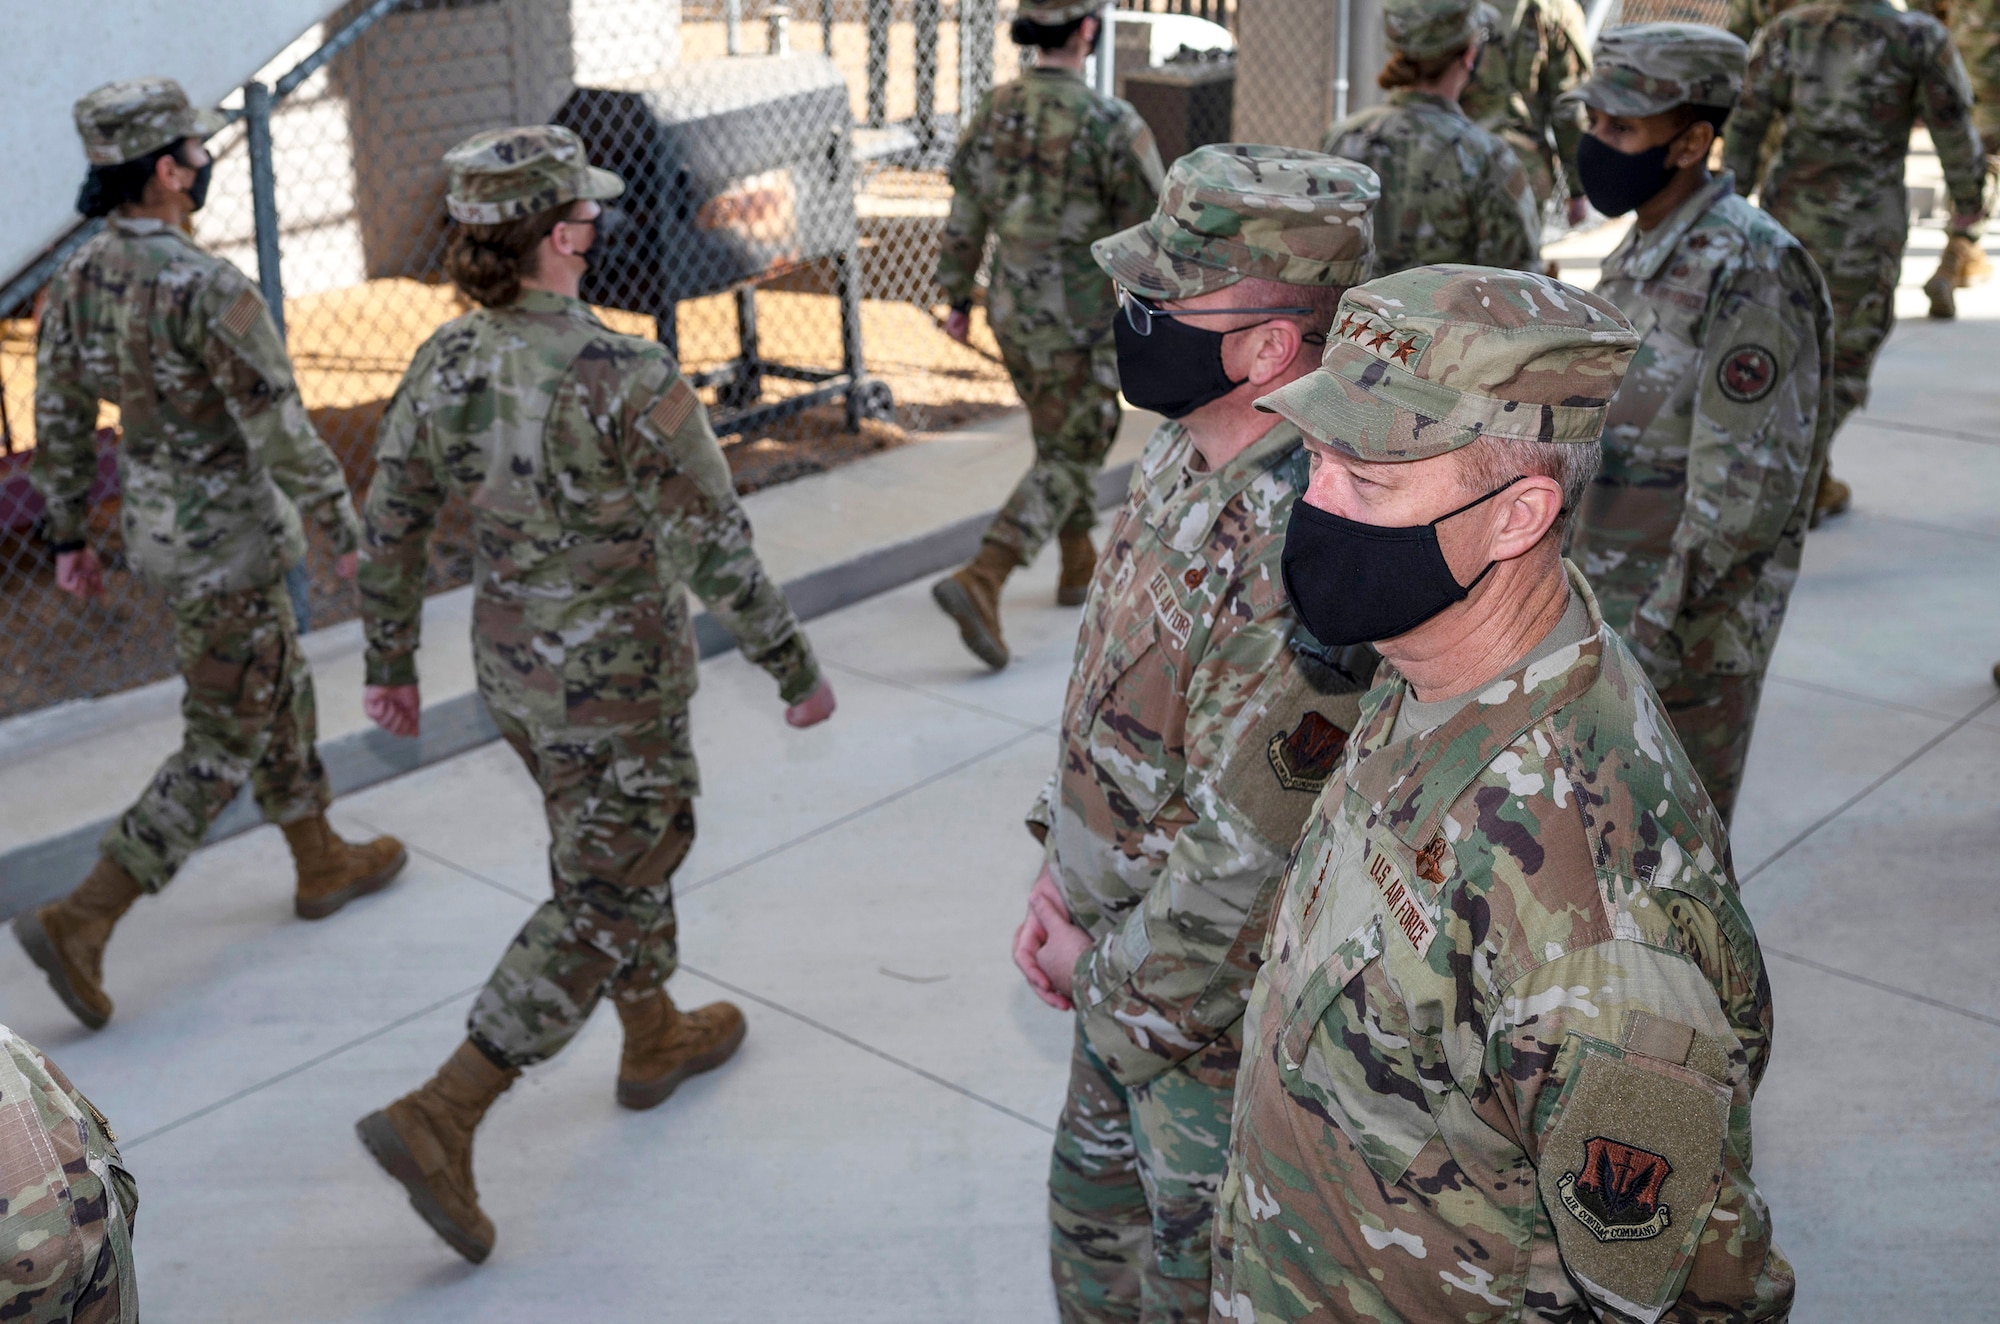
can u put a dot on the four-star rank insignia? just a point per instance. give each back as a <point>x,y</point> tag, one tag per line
<point>1304,757</point>
<point>1747,373</point>
<point>1617,1195</point>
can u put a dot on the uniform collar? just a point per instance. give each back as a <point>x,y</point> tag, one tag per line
<point>148,227</point>
<point>1410,96</point>
<point>1045,71</point>
<point>544,301</point>
<point>1182,506</point>
<point>1643,256</point>
<point>1410,784</point>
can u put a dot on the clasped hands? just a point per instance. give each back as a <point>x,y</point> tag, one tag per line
<point>1048,945</point>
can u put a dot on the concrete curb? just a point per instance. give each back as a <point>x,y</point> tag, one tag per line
<point>43,870</point>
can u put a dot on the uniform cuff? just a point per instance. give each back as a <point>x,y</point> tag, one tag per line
<point>793,666</point>
<point>398,670</point>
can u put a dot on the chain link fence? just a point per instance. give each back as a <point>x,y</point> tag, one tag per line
<point>787,189</point>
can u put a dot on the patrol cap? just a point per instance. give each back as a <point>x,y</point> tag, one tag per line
<point>1431,359</point>
<point>1052,15</point>
<point>1234,210</point>
<point>1652,67</point>
<point>123,121</point>
<point>1424,29</point>
<point>505,174</point>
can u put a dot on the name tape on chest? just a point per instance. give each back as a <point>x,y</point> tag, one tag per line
<point>1405,909</point>
<point>1166,604</point>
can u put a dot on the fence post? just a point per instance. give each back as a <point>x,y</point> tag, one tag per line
<point>925,16</point>
<point>732,26</point>
<point>778,30</point>
<point>826,27</point>
<point>975,54</point>
<point>264,198</point>
<point>1343,55</point>
<point>879,14</point>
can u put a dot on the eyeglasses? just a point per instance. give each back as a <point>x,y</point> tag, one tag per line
<point>1139,313</point>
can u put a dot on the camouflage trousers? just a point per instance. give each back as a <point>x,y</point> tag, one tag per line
<point>621,820</point>
<point>1072,400</point>
<point>1713,716</point>
<point>1861,268</point>
<point>1132,1190</point>
<point>248,715</point>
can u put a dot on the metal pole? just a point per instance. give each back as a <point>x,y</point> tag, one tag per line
<point>925,14</point>
<point>975,54</point>
<point>878,62</point>
<point>264,198</point>
<point>826,27</point>
<point>732,25</point>
<point>1593,22</point>
<point>1343,55</point>
<point>1107,50</point>
<point>778,30</point>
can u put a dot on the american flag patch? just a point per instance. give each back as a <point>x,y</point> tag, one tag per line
<point>672,409</point>
<point>241,315</point>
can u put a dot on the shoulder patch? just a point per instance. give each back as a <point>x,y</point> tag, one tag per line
<point>1747,373</point>
<point>241,314</point>
<point>670,412</point>
<point>1305,756</point>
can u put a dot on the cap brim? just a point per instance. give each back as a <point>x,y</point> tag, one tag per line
<point>599,185</point>
<point>1135,260</point>
<point>1349,417</point>
<point>207,123</point>
<point>1615,101</point>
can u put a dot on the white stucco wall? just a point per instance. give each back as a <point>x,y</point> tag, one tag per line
<point>53,53</point>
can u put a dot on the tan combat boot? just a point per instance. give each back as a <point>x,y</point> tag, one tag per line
<point>332,872</point>
<point>971,596</point>
<point>424,1140</point>
<point>66,939</point>
<point>664,1045</point>
<point>1833,498</point>
<point>1079,563</point>
<point>1963,264</point>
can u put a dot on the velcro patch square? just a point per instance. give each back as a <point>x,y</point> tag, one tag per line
<point>670,412</point>
<point>241,314</point>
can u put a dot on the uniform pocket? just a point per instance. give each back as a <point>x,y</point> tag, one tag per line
<point>1347,1046</point>
<point>612,666</point>
<point>1141,758</point>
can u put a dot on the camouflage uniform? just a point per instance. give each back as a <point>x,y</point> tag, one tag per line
<point>1045,165</point>
<point>216,460</point>
<point>1536,53</point>
<point>66,1201</point>
<point>597,491</point>
<point>1193,741</point>
<point>1451,191</point>
<point>1499,1058</point>
<point>1692,532</point>
<point>1849,78</point>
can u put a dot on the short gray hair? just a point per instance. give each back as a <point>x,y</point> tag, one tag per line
<point>1492,461</point>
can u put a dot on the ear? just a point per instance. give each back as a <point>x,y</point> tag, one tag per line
<point>1694,145</point>
<point>1526,512</point>
<point>1268,351</point>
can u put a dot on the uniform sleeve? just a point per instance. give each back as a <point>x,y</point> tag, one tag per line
<point>1616,1069</point>
<point>1756,435</point>
<point>704,536</point>
<point>65,463</point>
<point>1946,102</point>
<point>1567,64</point>
<point>1744,17</point>
<point>247,359</point>
<point>964,241</point>
<point>1175,973</point>
<point>402,508</point>
<point>1766,96</point>
<point>1135,173</point>
<point>1509,225</point>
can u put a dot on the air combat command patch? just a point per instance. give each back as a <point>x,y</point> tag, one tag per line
<point>1304,757</point>
<point>1747,373</point>
<point>1617,1193</point>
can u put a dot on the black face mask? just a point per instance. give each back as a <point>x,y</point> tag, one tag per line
<point>1615,181</point>
<point>1175,370</point>
<point>199,189</point>
<point>1354,583</point>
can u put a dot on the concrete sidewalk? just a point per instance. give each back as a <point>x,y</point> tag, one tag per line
<point>878,1150</point>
